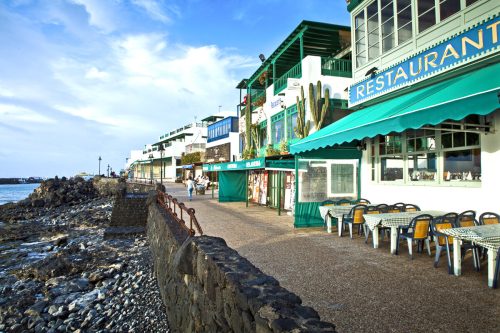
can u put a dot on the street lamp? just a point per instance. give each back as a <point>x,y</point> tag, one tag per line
<point>100,159</point>
<point>161,149</point>
<point>151,171</point>
<point>108,170</point>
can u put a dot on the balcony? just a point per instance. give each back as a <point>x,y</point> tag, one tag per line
<point>258,99</point>
<point>336,67</point>
<point>294,73</point>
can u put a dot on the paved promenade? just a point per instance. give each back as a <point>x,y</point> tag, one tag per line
<point>358,288</point>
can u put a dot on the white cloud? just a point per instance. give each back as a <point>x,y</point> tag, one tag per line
<point>95,73</point>
<point>155,11</point>
<point>102,14</point>
<point>16,115</point>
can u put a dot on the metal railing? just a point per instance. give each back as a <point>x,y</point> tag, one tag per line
<point>336,67</point>
<point>177,210</point>
<point>294,72</point>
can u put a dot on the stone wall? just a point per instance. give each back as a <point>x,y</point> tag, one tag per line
<point>139,187</point>
<point>208,287</point>
<point>129,210</point>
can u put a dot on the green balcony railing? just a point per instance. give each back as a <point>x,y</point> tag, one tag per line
<point>258,99</point>
<point>295,73</point>
<point>336,67</point>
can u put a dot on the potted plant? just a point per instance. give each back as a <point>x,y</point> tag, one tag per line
<point>283,147</point>
<point>270,151</point>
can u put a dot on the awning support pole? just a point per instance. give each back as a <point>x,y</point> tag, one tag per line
<point>280,173</point>
<point>246,187</point>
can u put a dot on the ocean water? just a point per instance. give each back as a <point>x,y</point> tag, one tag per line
<point>14,193</point>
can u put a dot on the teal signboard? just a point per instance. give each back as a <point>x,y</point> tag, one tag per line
<point>257,163</point>
<point>479,40</point>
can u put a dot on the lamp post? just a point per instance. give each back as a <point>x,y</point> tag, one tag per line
<point>151,169</point>
<point>161,149</point>
<point>108,170</point>
<point>100,159</point>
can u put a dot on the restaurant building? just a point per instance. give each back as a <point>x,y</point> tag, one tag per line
<point>426,99</point>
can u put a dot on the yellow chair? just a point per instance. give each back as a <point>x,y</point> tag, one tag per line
<point>417,230</point>
<point>489,218</point>
<point>354,218</point>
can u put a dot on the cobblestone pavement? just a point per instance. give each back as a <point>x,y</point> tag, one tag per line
<point>358,288</point>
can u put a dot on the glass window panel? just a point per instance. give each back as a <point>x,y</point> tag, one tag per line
<point>293,124</point>
<point>424,5</point>
<point>278,128</point>
<point>312,180</point>
<point>390,144</point>
<point>391,168</point>
<point>373,31</point>
<point>426,21</point>
<point>448,8</point>
<point>388,43</point>
<point>470,2</point>
<point>472,139</point>
<point>462,165</point>
<point>342,178</point>
<point>422,167</point>
<point>402,4</point>
<point>405,33</point>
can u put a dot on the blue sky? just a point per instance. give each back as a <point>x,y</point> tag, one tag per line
<point>81,79</point>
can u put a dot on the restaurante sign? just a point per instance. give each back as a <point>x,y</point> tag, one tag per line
<point>478,40</point>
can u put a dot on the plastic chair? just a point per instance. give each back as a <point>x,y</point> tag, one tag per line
<point>441,240</point>
<point>343,202</point>
<point>354,218</point>
<point>466,219</point>
<point>417,230</point>
<point>382,208</point>
<point>327,203</point>
<point>396,208</point>
<point>362,201</point>
<point>489,218</point>
<point>411,208</point>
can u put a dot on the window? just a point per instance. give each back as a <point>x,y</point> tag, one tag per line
<point>387,16</point>
<point>426,14</point>
<point>291,126</point>
<point>442,154</point>
<point>263,135</point>
<point>373,31</point>
<point>404,20</point>
<point>360,38</point>
<point>320,179</point>
<point>448,8</point>
<point>278,129</point>
<point>470,2</point>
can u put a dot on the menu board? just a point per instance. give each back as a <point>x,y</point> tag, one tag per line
<point>312,181</point>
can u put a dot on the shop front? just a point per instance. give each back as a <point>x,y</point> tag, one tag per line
<point>259,181</point>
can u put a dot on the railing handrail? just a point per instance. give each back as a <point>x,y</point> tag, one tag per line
<point>174,208</point>
<point>335,66</point>
<point>294,72</point>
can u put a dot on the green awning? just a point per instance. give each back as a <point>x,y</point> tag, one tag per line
<point>456,98</point>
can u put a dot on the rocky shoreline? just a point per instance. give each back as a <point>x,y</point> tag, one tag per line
<point>59,274</point>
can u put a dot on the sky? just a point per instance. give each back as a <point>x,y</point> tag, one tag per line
<point>81,79</point>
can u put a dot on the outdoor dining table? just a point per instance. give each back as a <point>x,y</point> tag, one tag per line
<point>487,236</point>
<point>327,212</point>
<point>393,221</point>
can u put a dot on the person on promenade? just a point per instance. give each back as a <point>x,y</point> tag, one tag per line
<point>190,187</point>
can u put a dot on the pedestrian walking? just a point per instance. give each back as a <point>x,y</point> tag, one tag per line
<point>190,187</point>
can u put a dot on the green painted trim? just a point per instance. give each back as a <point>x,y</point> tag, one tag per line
<point>353,4</point>
<point>277,117</point>
<point>263,124</point>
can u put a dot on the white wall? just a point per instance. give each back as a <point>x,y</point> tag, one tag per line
<point>311,73</point>
<point>446,198</point>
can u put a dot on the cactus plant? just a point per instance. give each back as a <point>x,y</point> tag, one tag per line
<point>302,128</point>
<point>318,105</point>
<point>254,128</point>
